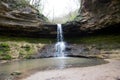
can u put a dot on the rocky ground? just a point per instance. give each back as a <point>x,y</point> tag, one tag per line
<point>110,71</point>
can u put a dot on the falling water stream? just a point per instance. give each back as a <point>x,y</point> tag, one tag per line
<point>60,45</point>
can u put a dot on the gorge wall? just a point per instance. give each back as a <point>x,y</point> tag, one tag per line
<point>95,16</point>
<point>18,18</point>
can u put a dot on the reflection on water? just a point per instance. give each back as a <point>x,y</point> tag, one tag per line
<point>47,63</point>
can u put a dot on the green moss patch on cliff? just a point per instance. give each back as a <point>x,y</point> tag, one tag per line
<point>98,39</point>
<point>22,47</point>
<point>100,46</point>
<point>17,48</point>
<point>25,39</point>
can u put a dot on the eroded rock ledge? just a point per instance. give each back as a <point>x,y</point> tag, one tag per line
<point>95,16</point>
<point>99,16</point>
<point>18,19</point>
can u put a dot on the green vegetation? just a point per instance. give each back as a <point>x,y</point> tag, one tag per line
<point>6,57</point>
<point>21,47</point>
<point>99,39</point>
<point>17,47</point>
<point>18,4</point>
<point>29,40</point>
<point>4,49</point>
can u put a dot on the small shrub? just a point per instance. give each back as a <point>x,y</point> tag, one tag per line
<point>21,53</point>
<point>19,4</point>
<point>6,57</point>
<point>27,56</point>
<point>26,47</point>
<point>1,52</point>
<point>4,48</point>
<point>5,45</point>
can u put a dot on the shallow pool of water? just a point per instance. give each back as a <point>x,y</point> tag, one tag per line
<point>47,64</point>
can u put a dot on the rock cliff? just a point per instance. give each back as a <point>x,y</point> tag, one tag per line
<point>18,18</point>
<point>95,16</point>
<point>101,16</point>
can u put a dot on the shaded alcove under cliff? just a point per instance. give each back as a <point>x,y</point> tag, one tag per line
<point>108,30</point>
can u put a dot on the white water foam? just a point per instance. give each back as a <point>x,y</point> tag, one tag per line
<point>60,45</point>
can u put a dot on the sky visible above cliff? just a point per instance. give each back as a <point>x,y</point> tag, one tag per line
<point>58,8</point>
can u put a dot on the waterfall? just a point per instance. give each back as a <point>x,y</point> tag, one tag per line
<point>60,45</point>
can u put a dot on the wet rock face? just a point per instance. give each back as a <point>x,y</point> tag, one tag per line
<point>96,15</point>
<point>81,50</point>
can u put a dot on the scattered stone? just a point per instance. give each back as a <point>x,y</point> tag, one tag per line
<point>16,73</point>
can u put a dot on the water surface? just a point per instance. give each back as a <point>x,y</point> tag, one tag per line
<point>47,64</point>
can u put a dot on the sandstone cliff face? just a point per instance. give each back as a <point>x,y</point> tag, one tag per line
<point>96,16</point>
<point>19,18</point>
<point>100,13</point>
